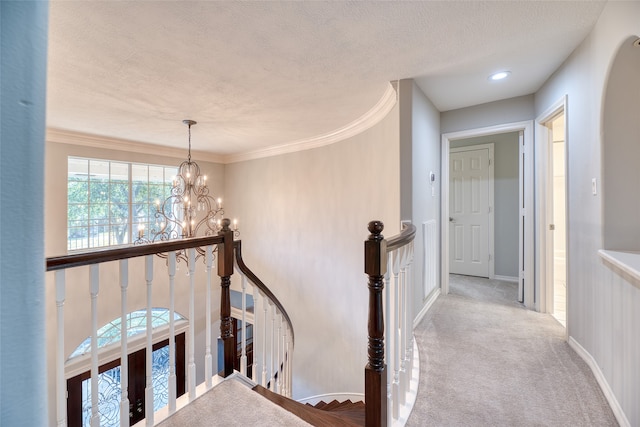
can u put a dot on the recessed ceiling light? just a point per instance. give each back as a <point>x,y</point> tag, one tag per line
<point>500,75</point>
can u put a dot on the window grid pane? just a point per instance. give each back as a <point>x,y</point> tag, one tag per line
<point>106,200</point>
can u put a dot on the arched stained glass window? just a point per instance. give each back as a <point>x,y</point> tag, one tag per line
<point>136,324</point>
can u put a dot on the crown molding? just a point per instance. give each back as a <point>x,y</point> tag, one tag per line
<point>370,118</point>
<point>61,136</point>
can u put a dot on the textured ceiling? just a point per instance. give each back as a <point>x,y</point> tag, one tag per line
<point>264,74</point>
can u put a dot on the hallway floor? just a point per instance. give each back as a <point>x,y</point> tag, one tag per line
<point>488,361</point>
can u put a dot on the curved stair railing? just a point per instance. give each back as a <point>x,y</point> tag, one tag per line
<point>388,266</point>
<point>272,359</point>
<point>272,329</point>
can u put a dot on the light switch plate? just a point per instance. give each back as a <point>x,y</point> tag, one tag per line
<point>594,186</point>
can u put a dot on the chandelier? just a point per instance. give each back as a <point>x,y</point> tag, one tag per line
<point>189,211</point>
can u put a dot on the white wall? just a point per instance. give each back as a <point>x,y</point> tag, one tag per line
<point>77,303</point>
<point>506,215</point>
<point>420,152</point>
<point>603,308</point>
<point>621,150</point>
<point>490,114</point>
<point>303,218</point>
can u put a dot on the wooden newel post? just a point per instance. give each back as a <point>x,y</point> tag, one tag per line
<point>375,373</point>
<point>225,270</point>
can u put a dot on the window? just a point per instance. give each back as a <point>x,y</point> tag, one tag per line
<point>109,377</point>
<point>136,324</point>
<point>109,384</point>
<point>108,200</point>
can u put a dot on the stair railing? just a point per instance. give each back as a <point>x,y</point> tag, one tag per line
<point>277,362</point>
<point>388,262</point>
<point>272,362</point>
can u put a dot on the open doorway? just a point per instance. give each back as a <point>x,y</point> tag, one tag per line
<point>559,223</point>
<point>525,231</point>
<point>551,149</point>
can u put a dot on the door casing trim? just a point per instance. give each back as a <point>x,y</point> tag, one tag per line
<point>528,257</point>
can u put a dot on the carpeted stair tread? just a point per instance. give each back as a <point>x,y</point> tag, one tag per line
<point>313,415</point>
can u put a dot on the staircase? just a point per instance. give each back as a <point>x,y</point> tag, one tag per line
<point>348,413</point>
<point>266,355</point>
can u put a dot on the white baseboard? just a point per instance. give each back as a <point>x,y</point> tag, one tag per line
<point>506,278</point>
<point>602,382</point>
<point>425,308</point>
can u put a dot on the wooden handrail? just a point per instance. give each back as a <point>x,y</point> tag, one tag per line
<point>132,251</point>
<point>256,281</point>
<point>376,250</point>
<point>405,237</point>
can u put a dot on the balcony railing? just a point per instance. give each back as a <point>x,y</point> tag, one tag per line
<point>390,371</point>
<point>153,278</point>
<point>265,356</point>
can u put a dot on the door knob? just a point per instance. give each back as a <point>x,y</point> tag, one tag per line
<point>451,219</point>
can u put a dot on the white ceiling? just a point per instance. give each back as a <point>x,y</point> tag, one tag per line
<point>268,73</point>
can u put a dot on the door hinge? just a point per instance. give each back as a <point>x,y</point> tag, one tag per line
<point>552,227</point>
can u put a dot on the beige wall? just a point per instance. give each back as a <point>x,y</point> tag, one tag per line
<point>303,218</point>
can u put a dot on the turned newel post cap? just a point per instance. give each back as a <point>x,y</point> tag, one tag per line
<point>375,250</point>
<point>375,228</point>
<point>226,222</point>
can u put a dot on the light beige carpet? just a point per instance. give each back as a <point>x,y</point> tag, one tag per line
<point>229,404</point>
<point>488,361</point>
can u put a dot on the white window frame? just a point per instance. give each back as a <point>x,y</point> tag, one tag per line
<point>89,243</point>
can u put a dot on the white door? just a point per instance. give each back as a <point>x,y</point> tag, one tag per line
<point>469,211</point>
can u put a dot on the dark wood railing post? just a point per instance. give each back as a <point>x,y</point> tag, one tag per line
<point>225,270</point>
<point>375,373</point>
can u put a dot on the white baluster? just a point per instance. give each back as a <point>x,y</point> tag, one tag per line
<point>208,359</point>
<point>173,382</point>
<point>283,380</point>
<point>289,361</point>
<point>389,335</point>
<point>192,319</point>
<point>272,376</point>
<point>278,373</point>
<point>403,326</point>
<point>396,331</point>
<point>243,357</point>
<point>264,340</point>
<point>61,389</point>
<point>124,357</point>
<point>148,391</point>
<point>409,317</point>
<point>256,328</point>
<point>94,289</point>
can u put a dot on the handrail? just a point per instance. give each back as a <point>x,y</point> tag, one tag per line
<point>256,281</point>
<point>405,237</point>
<point>132,251</point>
<point>278,329</point>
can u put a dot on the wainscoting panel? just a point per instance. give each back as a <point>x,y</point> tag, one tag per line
<point>430,269</point>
